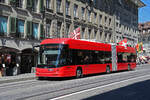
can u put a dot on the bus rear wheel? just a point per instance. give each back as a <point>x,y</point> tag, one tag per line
<point>78,73</point>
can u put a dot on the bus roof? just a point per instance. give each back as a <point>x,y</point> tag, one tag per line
<point>87,45</point>
<point>55,41</point>
<point>78,44</point>
<point>123,49</point>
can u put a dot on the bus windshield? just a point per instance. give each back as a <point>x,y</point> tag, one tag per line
<point>51,55</point>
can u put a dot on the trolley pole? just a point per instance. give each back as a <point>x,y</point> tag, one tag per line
<point>114,26</point>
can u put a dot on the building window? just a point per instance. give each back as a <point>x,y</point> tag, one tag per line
<point>75,10</point>
<point>67,7</point>
<point>105,19</point>
<point>58,29</point>
<point>83,32</point>
<point>105,37</point>
<point>35,31</point>
<point>67,30</point>
<point>95,16</point>
<point>149,38</point>
<point>48,3</point>
<point>94,2</point>
<point>58,6</point>
<point>109,21</point>
<point>117,24</point>
<point>20,28</point>
<point>29,4</point>
<point>20,3</point>
<point>95,33</point>
<point>3,25</point>
<point>89,16</point>
<point>83,12</point>
<point>109,38</point>
<point>35,3</point>
<point>100,19</point>
<point>48,28</point>
<point>2,1</point>
<point>101,35</point>
<point>89,33</point>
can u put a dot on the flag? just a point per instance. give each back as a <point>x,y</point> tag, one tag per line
<point>137,47</point>
<point>123,43</point>
<point>75,34</point>
<point>140,47</point>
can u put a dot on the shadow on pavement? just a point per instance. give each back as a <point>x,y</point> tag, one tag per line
<point>137,91</point>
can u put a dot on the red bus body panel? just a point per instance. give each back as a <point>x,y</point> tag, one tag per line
<point>124,66</point>
<point>69,71</point>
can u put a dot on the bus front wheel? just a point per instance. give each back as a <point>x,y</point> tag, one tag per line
<point>78,73</point>
<point>40,78</point>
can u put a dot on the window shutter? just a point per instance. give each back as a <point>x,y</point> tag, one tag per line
<point>29,29</point>
<point>12,25</point>
<point>41,5</point>
<point>29,3</point>
<point>12,1</point>
<point>41,31</point>
<point>35,30</point>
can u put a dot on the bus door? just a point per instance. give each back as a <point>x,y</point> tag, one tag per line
<point>88,62</point>
<point>114,58</point>
<point>83,60</point>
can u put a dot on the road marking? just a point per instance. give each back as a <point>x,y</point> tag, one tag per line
<point>61,97</point>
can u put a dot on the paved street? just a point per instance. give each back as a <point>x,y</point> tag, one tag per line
<point>126,85</point>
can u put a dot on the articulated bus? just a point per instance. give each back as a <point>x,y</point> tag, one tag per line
<point>65,57</point>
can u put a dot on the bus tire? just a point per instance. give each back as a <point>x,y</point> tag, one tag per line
<point>40,78</point>
<point>79,73</point>
<point>107,69</point>
<point>129,67</point>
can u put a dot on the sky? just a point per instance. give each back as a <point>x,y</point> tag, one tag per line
<point>144,12</point>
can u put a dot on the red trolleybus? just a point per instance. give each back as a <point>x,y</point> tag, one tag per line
<point>67,57</point>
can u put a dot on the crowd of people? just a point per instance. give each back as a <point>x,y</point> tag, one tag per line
<point>143,59</point>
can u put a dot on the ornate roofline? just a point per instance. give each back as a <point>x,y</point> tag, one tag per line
<point>139,3</point>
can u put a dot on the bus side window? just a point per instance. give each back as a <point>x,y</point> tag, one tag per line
<point>107,57</point>
<point>102,57</point>
<point>119,57</point>
<point>70,57</point>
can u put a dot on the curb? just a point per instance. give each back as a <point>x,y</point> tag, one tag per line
<point>20,77</point>
<point>16,80</point>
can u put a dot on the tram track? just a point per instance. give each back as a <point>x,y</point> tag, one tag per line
<point>37,82</point>
<point>22,84</point>
<point>47,89</point>
<point>84,86</point>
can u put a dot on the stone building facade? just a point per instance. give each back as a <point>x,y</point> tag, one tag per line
<point>144,36</point>
<point>24,23</point>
